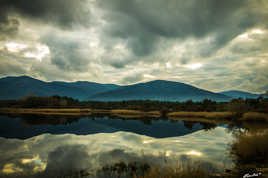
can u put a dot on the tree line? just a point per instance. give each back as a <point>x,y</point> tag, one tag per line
<point>235,105</point>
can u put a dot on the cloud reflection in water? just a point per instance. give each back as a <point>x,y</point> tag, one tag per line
<point>50,153</point>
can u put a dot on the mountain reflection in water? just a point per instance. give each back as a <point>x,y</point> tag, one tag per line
<point>24,127</point>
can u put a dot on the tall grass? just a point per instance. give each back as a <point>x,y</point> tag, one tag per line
<point>207,115</point>
<point>44,110</point>
<point>134,113</point>
<point>250,153</point>
<point>189,172</point>
<point>140,169</point>
<point>251,148</point>
<point>254,116</point>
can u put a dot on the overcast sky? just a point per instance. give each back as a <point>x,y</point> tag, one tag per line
<point>214,45</point>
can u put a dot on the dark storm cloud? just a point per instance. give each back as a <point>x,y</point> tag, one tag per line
<point>116,62</point>
<point>8,26</point>
<point>142,23</point>
<point>66,53</point>
<point>127,28</point>
<point>65,13</point>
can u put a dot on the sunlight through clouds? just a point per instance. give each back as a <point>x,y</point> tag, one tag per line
<point>194,66</point>
<point>257,31</point>
<point>15,47</point>
<point>148,76</point>
<point>244,36</point>
<point>248,35</point>
<point>42,51</point>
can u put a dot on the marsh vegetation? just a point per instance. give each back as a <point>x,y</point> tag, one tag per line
<point>207,110</point>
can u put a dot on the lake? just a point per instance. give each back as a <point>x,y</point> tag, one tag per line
<point>43,146</point>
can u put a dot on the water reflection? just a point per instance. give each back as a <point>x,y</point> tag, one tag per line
<point>24,127</point>
<point>61,145</point>
<point>46,154</point>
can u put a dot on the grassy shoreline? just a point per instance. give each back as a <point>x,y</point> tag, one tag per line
<point>211,117</point>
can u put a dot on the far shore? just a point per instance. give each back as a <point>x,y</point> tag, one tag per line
<point>210,117</point>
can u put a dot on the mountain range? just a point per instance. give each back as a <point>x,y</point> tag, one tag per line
<point>240,94</point>
<point>17,87</point>
<point>158,90</point>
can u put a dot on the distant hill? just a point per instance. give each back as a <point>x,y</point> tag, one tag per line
<point>158,90</point>
<point>239,94</point>
<point>16,87</point>
<point>87,88</point>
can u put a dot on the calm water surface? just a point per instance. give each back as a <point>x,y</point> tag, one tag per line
<point>30,126</point>
<point>33,145</point>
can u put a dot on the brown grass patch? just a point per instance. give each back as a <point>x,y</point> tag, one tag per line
<point>80,111</point>
<point>190,172</point>
<point>254,116</point>
<point>125,111</point>
<point>46,111</point>
<point>207,115</point>
<point>134,113</point>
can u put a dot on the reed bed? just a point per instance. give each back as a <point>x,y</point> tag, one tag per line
<point>255,116</point>
<point>207,115</point>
